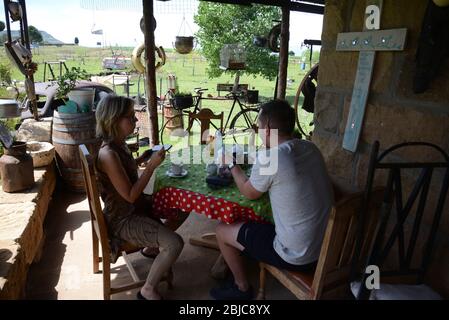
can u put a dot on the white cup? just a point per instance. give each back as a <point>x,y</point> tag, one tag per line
<point>212,169</point>
<point>176,168</point>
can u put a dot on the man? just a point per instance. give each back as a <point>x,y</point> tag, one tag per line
<point>301,198</point>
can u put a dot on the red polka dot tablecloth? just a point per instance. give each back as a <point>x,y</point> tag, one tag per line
<point>167,200</point>
<point>191,193</point>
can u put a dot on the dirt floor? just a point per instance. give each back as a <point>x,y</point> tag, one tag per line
<point>65,269</point>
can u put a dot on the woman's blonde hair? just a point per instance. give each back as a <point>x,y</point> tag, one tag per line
<point>109,110</point>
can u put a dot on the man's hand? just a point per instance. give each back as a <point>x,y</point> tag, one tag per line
<point>244,185</point>
<point>226,158</point>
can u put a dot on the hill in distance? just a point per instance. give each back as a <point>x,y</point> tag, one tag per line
<point>48,38</point>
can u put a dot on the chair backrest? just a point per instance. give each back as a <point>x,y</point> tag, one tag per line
<point>334,264</point>
<point>96,213</point>
<point>413,260</point>
<point>205,116</point>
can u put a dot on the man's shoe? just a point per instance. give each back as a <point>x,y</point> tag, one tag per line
<point>231,292</point>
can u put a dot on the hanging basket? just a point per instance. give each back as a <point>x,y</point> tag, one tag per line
<point>184,45</point>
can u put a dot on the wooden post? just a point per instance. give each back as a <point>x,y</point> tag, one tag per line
<point>150,70</point>
<point>283,53</point>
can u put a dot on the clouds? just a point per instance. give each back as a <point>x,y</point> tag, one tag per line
<point>66,20</point>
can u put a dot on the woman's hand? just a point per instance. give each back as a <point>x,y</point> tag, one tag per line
<point>144,157</point>
<point>157,158</point>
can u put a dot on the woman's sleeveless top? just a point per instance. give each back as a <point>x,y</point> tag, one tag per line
<point>116,208</point>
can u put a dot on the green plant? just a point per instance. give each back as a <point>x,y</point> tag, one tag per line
<point>5,74</point>
<point>35,35</point>
<point>221,24</point>
<point>11,125</point>
<point>68,80</point>
<point>183,94</point>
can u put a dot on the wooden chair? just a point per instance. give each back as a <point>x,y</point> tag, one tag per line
<point>402,246</point>
<point>205,117</point>
<point>100,234</point>
<point>331,277</point>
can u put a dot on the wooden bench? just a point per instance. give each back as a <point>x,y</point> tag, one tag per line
<point>228,87</point>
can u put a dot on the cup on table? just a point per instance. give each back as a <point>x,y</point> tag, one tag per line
<point>223,171</point>
<point>176,168</point>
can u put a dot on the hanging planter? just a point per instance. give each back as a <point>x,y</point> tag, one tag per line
<point>184,45</point>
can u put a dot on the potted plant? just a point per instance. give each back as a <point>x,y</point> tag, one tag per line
<point>182,100</point>
<point>79,100</point>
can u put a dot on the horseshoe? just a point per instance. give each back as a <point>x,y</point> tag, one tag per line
<point>137,54</point>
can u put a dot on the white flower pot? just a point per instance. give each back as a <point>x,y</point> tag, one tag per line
<point>82,97</point>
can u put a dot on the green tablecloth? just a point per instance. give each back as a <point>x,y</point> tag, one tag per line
<point>196,181</point>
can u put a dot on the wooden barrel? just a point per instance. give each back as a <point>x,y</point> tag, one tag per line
<point>69,131</point>
<point>170,115</point>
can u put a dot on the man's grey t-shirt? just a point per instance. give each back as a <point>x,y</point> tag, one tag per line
<point>301,197</point>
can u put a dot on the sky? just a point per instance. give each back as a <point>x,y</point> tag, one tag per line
<point>66,19</point>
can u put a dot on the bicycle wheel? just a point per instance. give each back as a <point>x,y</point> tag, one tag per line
<point>304,102</point>
<point>179,127</point>
<point>243,124</point>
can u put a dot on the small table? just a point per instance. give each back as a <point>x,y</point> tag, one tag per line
<point>192,193</point>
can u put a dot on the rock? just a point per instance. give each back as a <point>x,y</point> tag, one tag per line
<point>41,152</point>
<point>32,130</point>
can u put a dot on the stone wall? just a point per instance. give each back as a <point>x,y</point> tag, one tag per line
<point>22,235</point>
<point>394,113</point>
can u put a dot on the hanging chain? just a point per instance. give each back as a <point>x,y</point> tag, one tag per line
<point>184,24</point>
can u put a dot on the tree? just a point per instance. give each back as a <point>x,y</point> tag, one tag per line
<point>5,75</point>
<point>222,24</point>
<point>77,41</point>
<point>2,26</point>
<point>305,56</point>
<point>35,35</point>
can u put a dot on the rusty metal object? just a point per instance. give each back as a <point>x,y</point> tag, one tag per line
<point>16,168</point>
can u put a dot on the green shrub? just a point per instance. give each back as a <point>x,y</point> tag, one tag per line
<point>5,74</point>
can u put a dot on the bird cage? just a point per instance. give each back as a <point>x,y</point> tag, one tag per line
<point>232,57</point>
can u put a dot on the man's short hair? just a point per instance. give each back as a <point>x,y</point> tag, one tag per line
<point>280,115</point>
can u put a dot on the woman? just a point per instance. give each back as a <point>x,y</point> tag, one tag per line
<point>125,208</point>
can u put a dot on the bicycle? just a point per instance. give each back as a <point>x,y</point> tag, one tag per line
<point>307,88</point>
<point>241,123</point>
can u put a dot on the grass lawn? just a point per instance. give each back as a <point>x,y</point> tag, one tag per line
<point>190,71</point>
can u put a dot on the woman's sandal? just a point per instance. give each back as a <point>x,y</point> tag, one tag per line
<point>141,297</point>
<point>150,256</point>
